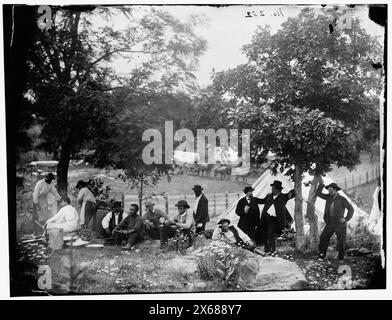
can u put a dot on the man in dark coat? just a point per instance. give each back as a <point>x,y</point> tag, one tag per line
<point>200,210</point>
<point>249,213</point>
<point>273,217</point>
<point>130,229</point>
<point>334,219</point>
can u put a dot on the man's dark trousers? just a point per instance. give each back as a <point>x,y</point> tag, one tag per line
<point>131,238</point>
<point>269,227</point>
<point>341,231</point>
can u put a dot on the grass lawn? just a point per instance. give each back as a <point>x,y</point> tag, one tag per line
<point>147,270</point>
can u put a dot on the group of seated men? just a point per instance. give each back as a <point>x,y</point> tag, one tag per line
<point>129,228</point>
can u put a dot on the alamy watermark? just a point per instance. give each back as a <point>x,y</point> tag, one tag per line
<point>205,152</point>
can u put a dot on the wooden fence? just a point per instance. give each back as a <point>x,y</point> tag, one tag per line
<point>219,202</point>
<point>357,179</point>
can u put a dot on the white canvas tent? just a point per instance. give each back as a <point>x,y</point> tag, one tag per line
<point>262,188</point>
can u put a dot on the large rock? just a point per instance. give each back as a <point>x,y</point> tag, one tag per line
<point>182,264</point>
<point>267,273</point>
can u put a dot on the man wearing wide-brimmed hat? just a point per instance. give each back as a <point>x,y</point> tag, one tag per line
<point>273,217</point>
<point>153,218</point>
<point>248,211</point>
<point>183,223</point>
<point>231,234</point>
<point>335,222</point>
<point>200,209</point>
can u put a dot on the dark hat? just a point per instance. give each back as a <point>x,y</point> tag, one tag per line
<point>116,204</point>
<point>277,184</point>
<point>81,184</point>
<point>223,220</point>
<point>50,176</point>
<point>248,188</point>
<point>334,186</point>
<point>182,203</point>
<point>197,187</point>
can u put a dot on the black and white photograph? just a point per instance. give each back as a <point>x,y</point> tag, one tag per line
<point>194,148</point>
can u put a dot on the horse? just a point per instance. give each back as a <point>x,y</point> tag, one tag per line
<point>204,168</point>
<point>224,172</point>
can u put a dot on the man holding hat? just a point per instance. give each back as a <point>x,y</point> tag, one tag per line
<point>231,234</point>
<point>249,213</point>
<point>183,222</point>
<point>200,209</point>
<point>334,219</point>
<point>273,217</point>
<point>40,198</point>
<point>153,218</point>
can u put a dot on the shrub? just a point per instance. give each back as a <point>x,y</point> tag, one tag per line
<point>217,261</point>
<point>361,237</point>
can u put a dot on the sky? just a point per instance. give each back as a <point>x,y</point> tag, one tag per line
<point>229,29</point>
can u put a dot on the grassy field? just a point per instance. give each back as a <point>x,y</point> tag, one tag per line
<point>145,269</point>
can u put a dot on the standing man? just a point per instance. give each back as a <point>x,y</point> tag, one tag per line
<point>153,218</point>
<point>130,229</point>
<point>200,210</point>
<point>40,199</point>
<point>273,217</point>
<point>183,222</point>
<point>249,213</point>
<point>112,219</point>
<point>334,219</point>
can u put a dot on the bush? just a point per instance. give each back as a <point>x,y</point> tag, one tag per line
<point>217,261</point>
<point>361,237</point>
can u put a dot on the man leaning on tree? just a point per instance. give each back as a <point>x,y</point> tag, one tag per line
<point>335,221</point>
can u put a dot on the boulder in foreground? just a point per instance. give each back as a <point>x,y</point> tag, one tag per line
<point>267,273</point>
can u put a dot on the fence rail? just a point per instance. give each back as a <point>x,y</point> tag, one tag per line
<point>217,203</point>
<point>357,179</point>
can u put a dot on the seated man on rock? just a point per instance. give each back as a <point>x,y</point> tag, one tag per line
<point>130,229</point>
<point>232,235</point>
<point>112,219</point>
<point>66,219</point>
<point>153,218</point>
<point>183,224</point>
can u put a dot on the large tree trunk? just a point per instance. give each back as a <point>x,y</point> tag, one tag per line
<point>298,213</point>
<point>311,214</point>
<point>62,170</point>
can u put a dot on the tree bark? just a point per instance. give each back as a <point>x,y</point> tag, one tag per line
<point>62,169</point>
<point>311,214</point>
<point>298,213</point>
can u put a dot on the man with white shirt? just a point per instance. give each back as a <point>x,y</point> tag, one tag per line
<point>231,234</point>
<point>273,217</point>
<point>113,218</point>
<point>200,209</point>
<point>42,189</point>
<point>66,219</point>
<point>183,223</point>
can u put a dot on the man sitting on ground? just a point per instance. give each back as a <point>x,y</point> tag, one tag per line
<point>182,223</point>
<point>66,219</point>
<point>112,219</point>
<point>130,229</point>
<point>232,235</point>
<point>153,218</point>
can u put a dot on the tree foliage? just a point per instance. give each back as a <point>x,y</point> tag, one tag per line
<point>72,81</point>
